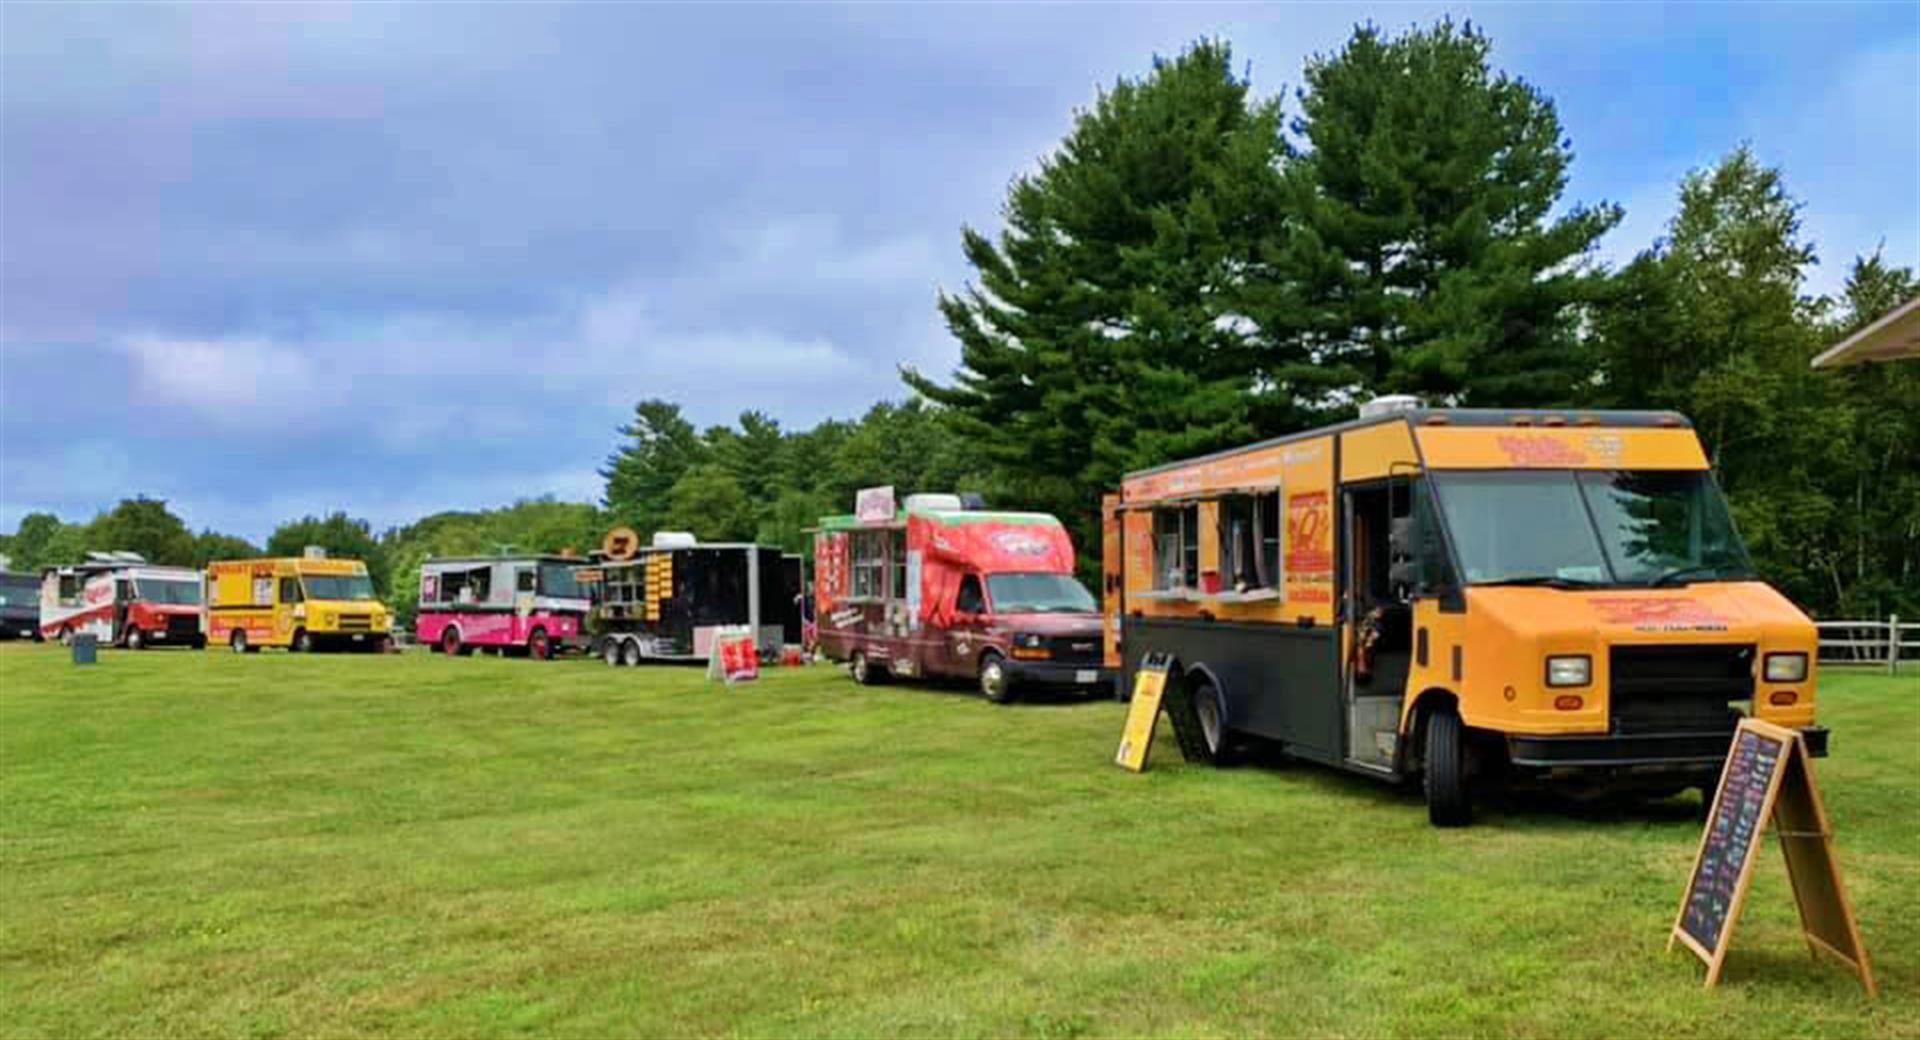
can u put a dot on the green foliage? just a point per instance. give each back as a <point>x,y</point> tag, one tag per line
<point>1420,254</point>
<point>1103,334</point>
<point>342,536</point>
<point>757,482</point>
<point>42,540</point>
<point>145,526</point>
<point>212,545</point>
<point>1821,467</point>
<point>661,447</point>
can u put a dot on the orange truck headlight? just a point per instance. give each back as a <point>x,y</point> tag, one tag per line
<point>1569,670</point>
<point>1786,668</point>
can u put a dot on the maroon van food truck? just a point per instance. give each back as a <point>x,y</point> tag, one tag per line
<point>948,589</point>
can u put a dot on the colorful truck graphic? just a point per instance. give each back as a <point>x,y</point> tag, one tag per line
<point>122,600</point>
<point>519,604</point>
<point>938,589</point>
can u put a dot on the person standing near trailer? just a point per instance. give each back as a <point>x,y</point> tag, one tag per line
<point>1459,597</point>
<point>941,590</point>
<point>523,604</point>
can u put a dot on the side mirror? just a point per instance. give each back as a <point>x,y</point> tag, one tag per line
<point>1403,568</point>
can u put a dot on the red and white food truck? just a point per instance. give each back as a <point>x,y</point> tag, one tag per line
<point>943,587</point>
<point>122,600</point>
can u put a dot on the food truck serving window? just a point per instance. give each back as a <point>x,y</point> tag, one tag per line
<point>869,552</point>
<point>1176,547</point>
<point>1250,541</point>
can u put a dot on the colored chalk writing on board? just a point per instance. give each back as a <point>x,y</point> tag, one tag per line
<point>1731,833</point>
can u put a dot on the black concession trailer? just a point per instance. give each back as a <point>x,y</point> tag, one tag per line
<point>668,601</point>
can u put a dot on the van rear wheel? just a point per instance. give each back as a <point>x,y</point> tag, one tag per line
<point>302,642</point>
<point>1446,771</point>
<point>136,639</point>
<point>450,641</point>
<point>865,672</point>
<point>537,646</point>
<point>238,641</point>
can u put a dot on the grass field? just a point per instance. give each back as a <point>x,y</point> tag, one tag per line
<point>210,845</point>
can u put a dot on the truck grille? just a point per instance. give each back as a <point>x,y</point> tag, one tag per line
<point>1075,649</point>
<point>1680,689</point>
<point>356,622</point>
<point>182,625</point>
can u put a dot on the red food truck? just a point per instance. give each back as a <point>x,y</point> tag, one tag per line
<point>942,587</point>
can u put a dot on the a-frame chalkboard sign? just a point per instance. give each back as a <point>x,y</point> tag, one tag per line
<point>1768,779</point>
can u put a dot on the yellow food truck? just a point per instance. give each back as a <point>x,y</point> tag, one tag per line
<point>1458,597</point>
<point>303,603</point>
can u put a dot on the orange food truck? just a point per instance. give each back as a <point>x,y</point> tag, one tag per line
<point>942,587</point>
<point>303,603</point>
<point>1457,597</point>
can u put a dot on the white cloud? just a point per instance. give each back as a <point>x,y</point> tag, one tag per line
<point>233,382</point>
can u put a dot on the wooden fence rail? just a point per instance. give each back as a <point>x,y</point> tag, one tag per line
<point>1886,643</point>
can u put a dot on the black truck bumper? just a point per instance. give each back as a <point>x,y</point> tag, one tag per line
<point>1089,677</point>
<point>1703,751</point>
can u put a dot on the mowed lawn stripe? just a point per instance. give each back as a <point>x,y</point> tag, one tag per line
<point>205,844</point>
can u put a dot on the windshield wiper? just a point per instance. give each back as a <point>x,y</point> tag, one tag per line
<point>1550,581</point>
<point>1681,574</point>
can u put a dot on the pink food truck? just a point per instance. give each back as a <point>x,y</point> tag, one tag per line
<point>513,604</point>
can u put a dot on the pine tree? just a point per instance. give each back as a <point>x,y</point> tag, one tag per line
<point>1421,255</point>
<point>1103,334</point>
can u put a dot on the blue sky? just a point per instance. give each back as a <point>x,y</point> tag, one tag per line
<point>398,258</point>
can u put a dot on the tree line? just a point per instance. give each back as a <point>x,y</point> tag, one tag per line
<point>1195,266</point>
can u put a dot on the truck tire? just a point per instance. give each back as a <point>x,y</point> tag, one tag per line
<point>630,652</point>
<point>199,642</point>
<point>66,637</point>
<point>610,651</point>
<point>995,684</point>
<point>238,641</point>
<point>865,672</point>
<point>1207,719</point>
<point>302,642</point>
<point>136,639</point>
<point>538,647</point>
<point>450,642</point>
<point>1446,771</point>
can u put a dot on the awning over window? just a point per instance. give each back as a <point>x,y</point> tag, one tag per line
<point>1895,336</point>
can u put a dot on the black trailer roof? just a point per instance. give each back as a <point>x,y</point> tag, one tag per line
<point>1585,417</point>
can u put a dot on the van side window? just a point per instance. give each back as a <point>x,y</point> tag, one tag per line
<point>290,590</point>
<point>523,580</point>
<point>970,600</point>
<point>1176,547</point>
<point>1250,541</point>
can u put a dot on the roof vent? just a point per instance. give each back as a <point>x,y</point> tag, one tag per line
<point>119,556</point>
<point>674,540</point>
<point>315,552</point>
<point>1388,404</point>
<point>933,503</point>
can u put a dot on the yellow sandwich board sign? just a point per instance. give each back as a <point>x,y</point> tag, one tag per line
<point>1768,778</point>
<point>1149,688</point>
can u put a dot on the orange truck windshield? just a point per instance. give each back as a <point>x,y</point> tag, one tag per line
<point>1590,527</point>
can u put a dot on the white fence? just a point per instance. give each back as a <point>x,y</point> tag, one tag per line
<point>1888,643</point>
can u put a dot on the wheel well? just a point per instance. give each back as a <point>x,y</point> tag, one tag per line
<point>1194,675</point>
<point>1413,749</point>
